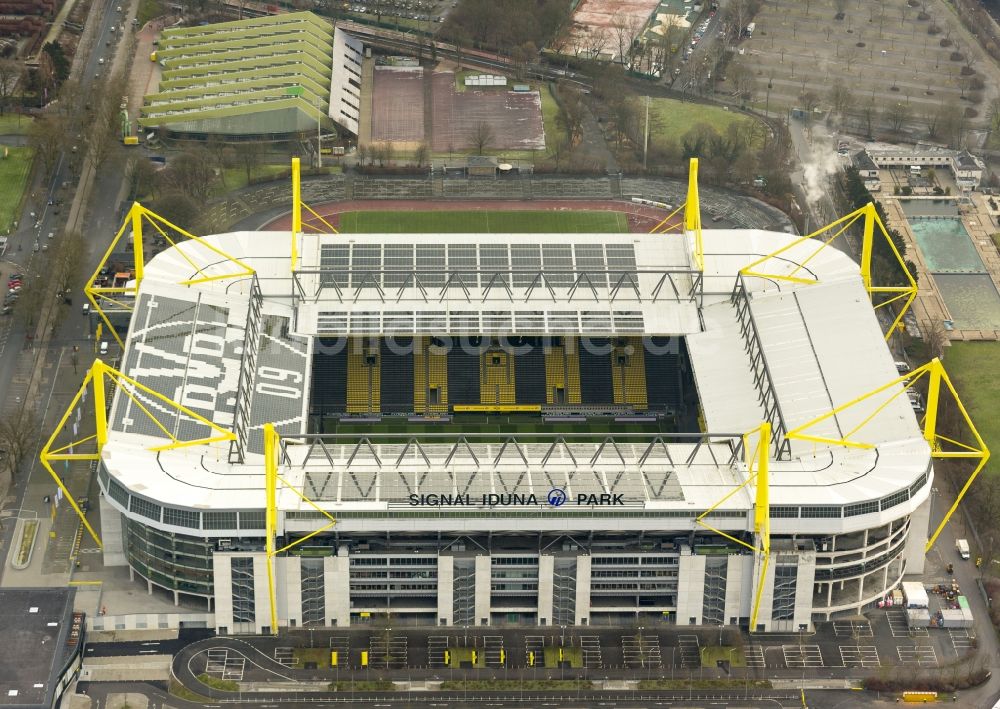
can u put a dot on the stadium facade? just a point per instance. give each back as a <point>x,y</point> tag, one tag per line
<point>511,429</point>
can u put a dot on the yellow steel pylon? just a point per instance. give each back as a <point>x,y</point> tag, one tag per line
<point>797,272</point>
<point>137,216</point>
<point>936,375</point>
<point>271,479</point>
<point>757,462</point>
<point>297,206</point>
<point>97,376</point>
<point>692,217</point>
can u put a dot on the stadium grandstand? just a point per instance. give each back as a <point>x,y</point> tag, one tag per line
<point>322,429</point>
<point>267,76</point>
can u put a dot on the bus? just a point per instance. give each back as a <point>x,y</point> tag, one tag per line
<point>748,32</point>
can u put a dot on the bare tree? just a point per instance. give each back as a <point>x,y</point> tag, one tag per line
<point>481,136</point>
<point>10,75</point>
<point>219,151</point>
<point>18,438</point>
<point>47,136</point>
<point>422,154</point>
<point>191,174</point>
<point>251,154</point>
<point>896,115</point>
<point>936,339</point>
<point>841,99</point>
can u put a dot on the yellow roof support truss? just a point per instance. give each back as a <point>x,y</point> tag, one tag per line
<point>272,442</point>
<point>941,446</point>
<point>137,217</point>
<point>316,223</point>
<point>89,447</point>
<point>692,217</point>
<point>756,446</point>
<point>826,236</point>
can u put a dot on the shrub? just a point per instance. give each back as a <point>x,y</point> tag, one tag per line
<point>957,57</point>
<point>977,83</point>
<point>945,42</point>
<point>970,112</point>
<point>923,16</point>
<point>933,29</point>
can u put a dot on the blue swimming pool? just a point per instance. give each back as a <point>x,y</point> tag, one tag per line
<point>946,245</point>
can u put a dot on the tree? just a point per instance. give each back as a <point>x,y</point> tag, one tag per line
<point>191,174</point>
<point>10,75</point>
<point>142,177</point>
<point>810,101</point>
<point>993,115</point>
<point>481,136</point>
<point>47,136</point>
<point>421,154</point>
<point>219,151</point>
<point>177,208</point>
<point>18,438</point>
<point>841,99</point>
<point>895,115</point>
<point>251,154</point>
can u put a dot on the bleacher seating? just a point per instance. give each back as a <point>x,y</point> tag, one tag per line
<point>663,375</point>
<point>397,369</point>
<point>430,371</point>
<point>496,377</point>
<point>363,376</point>
<point>529,385</point>
<point>595,373</point>
<point>329,385</point>
<point>562,371</point>
<point>628,372</point>
<point>463,377</point>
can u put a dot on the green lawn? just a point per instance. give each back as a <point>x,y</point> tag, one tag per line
<point>319,655</point>
<point>670,119</point>
<point>15,124</point>
<point>554,134</point>
<point>554,222</point>
<point>14,171</point>
<point>711,654</point>
<point>572,655</point>
<point>972,367</point>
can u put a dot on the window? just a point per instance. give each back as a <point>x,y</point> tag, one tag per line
<point>145,508</point>
<point>784,511</point>
<point>894,499</point>
<point>821,511</point>
<point>220,520</point>
<point>252,519</point>
<point>181,518</point>
<point>861,508</point>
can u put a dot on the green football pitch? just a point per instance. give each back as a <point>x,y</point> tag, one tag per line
<point>483,222</point>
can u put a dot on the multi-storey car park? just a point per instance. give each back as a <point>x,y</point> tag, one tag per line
<point>512,429</point>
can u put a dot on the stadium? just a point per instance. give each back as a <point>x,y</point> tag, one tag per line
<point>691,426</point>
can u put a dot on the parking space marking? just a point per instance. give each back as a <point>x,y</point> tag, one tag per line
<point>591,646</point>
<point>492,645</point>
<point>961,641</point>
<point>853,628</point>
<point>391,652</point>
<point>436,645</point>
<point>216,662</point>
<point>641,651</point>
<point>900,628</point>
<point>534,644</point>
<point>859,656</point>
<point>234,668</point>
<point>690,650</point>
<point>284,655</point>
<point>800,656</point>
<point>754,656</point>
<point>922,655</point>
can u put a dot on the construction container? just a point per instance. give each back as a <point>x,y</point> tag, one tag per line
<point>916,595</point>
<point>918,617</point>
<point>954,618</point>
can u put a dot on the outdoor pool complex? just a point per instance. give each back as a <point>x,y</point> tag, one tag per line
<point>959,272</point>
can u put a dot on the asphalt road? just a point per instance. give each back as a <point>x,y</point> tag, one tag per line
<point>21,257</point>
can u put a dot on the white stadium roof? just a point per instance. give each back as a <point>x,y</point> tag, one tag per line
<point>821,343</point>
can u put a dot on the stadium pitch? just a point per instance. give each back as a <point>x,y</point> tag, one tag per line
<point>483,222</point>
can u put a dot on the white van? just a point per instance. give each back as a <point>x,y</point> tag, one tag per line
<point>86,308</point>
<point>104,347</point>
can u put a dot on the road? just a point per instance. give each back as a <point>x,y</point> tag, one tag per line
<point>20,257</point>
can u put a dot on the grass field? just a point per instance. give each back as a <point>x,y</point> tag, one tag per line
<point>554,134</point>
<point>14,171</point>
<point>15,124</point>
<point>483,222</point>
<point>971,366</point>
<point>670,119</point>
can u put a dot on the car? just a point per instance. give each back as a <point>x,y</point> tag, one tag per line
<point>101,60</point>
<point>86,308</point>
<point>35,247</point>
<point>6,310</point>
<point>104,347</point>
<point>52,235</point>
<point>45,247</point>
